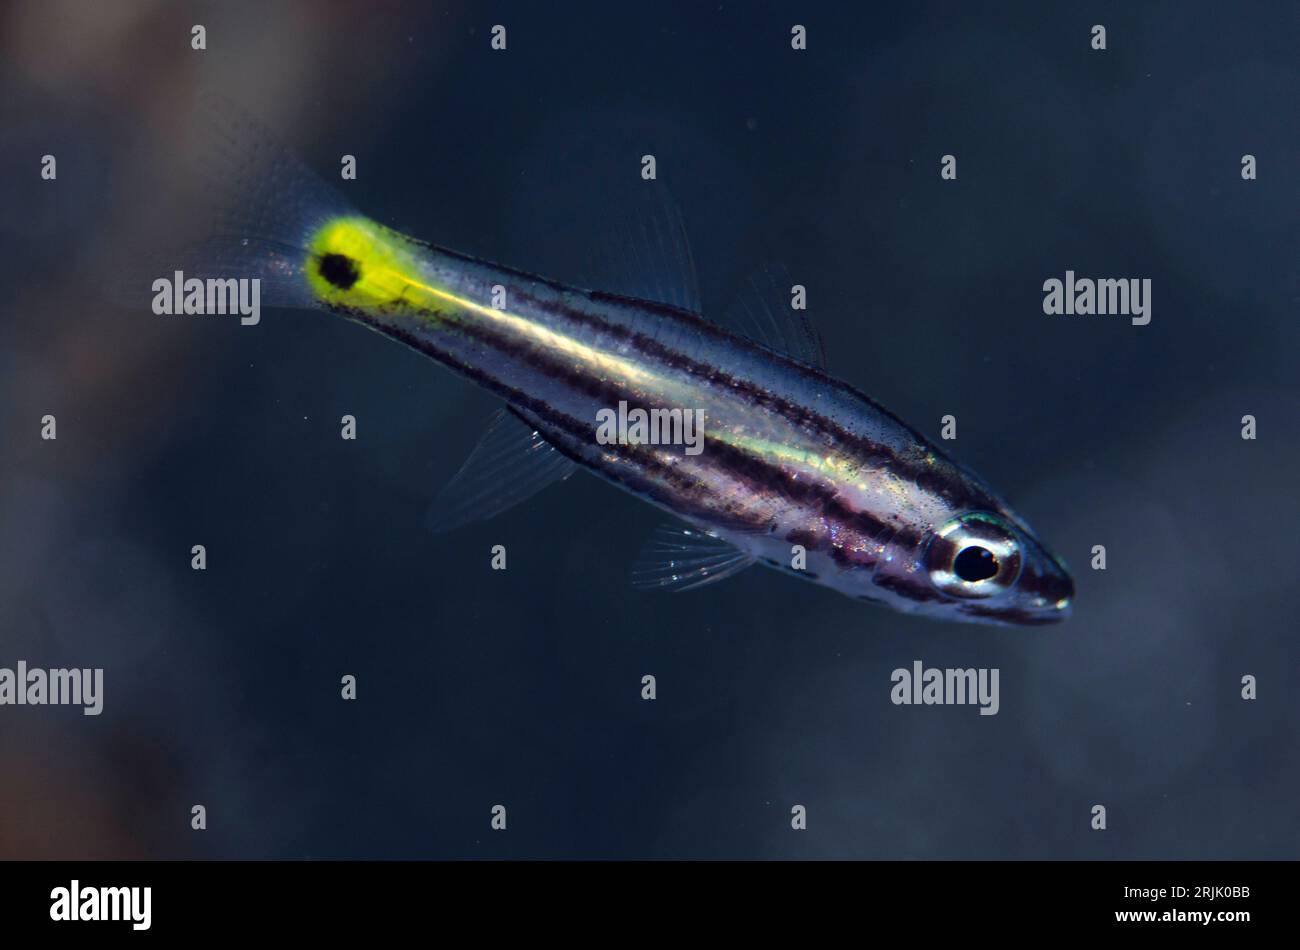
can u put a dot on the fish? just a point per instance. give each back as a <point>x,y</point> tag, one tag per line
<point>794,469</point>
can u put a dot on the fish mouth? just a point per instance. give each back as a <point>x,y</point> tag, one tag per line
<point>1051,593</point>
<point>1056,612</point>
<point>1043,597</point>
<point>1018,616</point>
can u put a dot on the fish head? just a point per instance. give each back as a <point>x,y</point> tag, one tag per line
<point>925,535</point>
<point>987,567</point>
<point>974,561</point>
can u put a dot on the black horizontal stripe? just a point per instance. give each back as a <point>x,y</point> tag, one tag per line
<point>761,478</point>
<point>952,488</point>
<point>686,496</point>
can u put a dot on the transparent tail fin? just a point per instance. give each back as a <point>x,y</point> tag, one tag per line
<point>251,208</point>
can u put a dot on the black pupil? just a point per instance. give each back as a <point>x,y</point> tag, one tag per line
<point>339,270</point>
<point>975,564</point>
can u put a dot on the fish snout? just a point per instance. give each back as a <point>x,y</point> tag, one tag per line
<point>1047,588</point>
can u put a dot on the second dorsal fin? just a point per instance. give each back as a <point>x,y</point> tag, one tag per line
<point>644,251</point>
<point>764,311</point>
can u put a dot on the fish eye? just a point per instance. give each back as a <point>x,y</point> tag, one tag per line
<point>974,564</point>
<point>975,555</point>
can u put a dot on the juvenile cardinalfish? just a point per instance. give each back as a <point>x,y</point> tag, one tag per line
<point>797,470</point>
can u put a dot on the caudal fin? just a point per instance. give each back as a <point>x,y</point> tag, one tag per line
<point>252,208</point>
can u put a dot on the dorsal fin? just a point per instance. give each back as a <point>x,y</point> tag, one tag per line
<point>764,311</point>
<point>644,251</point>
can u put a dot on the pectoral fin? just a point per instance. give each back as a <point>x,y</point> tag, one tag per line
<point>681,558</point>
<point>511,463</point>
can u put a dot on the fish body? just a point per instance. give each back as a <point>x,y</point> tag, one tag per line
<point>790,456</point>
<point>792,468</point>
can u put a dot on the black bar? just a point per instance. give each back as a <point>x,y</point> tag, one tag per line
<point>327,899</point>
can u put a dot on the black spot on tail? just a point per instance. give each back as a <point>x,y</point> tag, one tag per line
<point>340,270</point>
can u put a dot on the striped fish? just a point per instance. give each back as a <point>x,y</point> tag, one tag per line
<point>796,470</point>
